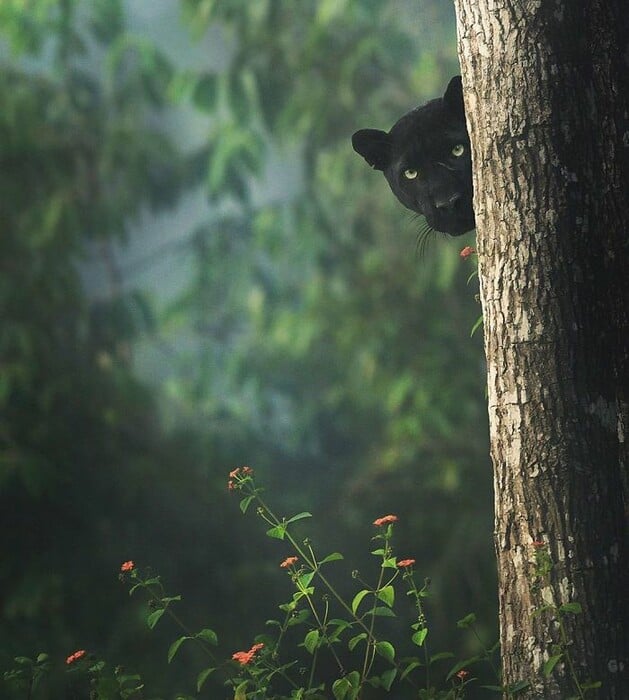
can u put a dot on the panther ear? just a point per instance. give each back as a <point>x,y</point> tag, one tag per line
<point>374,146</point>
<point>453,97</point>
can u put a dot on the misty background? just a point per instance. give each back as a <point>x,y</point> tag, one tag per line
<point>197,272</point>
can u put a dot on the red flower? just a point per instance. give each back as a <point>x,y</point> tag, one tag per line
<point>128,566</point>
<point>245,657</point>
<point>405,563</point>
<point>467,251</point>
<point>538,544</point>
<point>247,471</point>
<point>289,561</point>
<point>462,674</point>
<point>385,520</point>
<point>231,485</point>
<point>234,473</point>
<point>76,656</point>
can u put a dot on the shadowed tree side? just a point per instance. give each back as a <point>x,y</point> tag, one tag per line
<point>546,90</point>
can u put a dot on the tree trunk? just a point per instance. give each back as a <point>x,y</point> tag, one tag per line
<point>546,89</point>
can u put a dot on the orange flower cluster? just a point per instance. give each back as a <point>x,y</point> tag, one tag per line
<point>76,656</point>
<point>128,566</point>
<point>238,474</point>
<point>467,251</point>
<point>462,674</point>
<point>245,657</point>
<point>385,520</point>
<point>289,561</point>
<point>405,563</point>
<point>538,544</point>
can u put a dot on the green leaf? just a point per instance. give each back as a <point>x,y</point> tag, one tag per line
<point>387,650</point>
<point>305,579</point>
<point>387,595</point>
<point>477,325</point>
<point>153,618</point>
<point>340,688</point>
<point>519,686</point>
<point>241,691</point>
<point>311,640</point>
<point>466,621</point>
<point>358,599</point>
<point>174,647</point>
<point>244,504</point>
<point>203,676</point>
<point>440,656</point>
<point>335,556</point>
<point>351,645</point>
<point>390,563</point>
<point>411,667</point>
<point>278,532</point>
<point>420,637</point>
<point>551,663</point>
<point>208,635</point>
<point>572,608</point>
<point>170,599</point>
<point>387,678</point>
<point>299,516</point>
<point>381,611</point>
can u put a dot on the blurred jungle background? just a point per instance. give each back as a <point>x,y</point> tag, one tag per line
<point>197,272</point>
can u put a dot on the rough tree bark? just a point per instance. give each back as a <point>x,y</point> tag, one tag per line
<point>546,86</point>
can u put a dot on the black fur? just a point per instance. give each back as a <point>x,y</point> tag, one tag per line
<point>432,142</point>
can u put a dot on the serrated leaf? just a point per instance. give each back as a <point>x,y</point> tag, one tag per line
<point>208,635</point>
<point>351,645</point>
<point>387,595</point>
<point>311,640</point>
<point>305,579</point>
<point>154,617</point>
<point>387,650</point>
<point>278,532</point>
<point>550,664</point>
<point>387,678</point>
<point>335,556</point>
<point>340,688</point>
<point>358,599</point>
<point>174,647</point>
<point>299,516</point>
<point>203,676</point>
<point>420,637</point>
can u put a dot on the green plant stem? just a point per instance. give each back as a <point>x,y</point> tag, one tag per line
<point>566,652</point>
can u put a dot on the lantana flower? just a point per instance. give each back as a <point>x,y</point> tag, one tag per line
<point>128,566</point>
<point>289,561</point>
<point>385,520</point>
<point>462,674</point>
<point>405,563</point>
<point>538,544</point>
<point>75,656</point>
<point>467,251</point>
<point>245,657</point>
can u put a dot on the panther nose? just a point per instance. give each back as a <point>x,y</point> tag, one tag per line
<point>447,202</point>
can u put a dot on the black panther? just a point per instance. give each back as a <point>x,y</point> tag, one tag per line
<point>426,161</point>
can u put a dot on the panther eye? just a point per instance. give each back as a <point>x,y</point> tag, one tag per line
<point>410,174</point>
<point>458,150</point>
